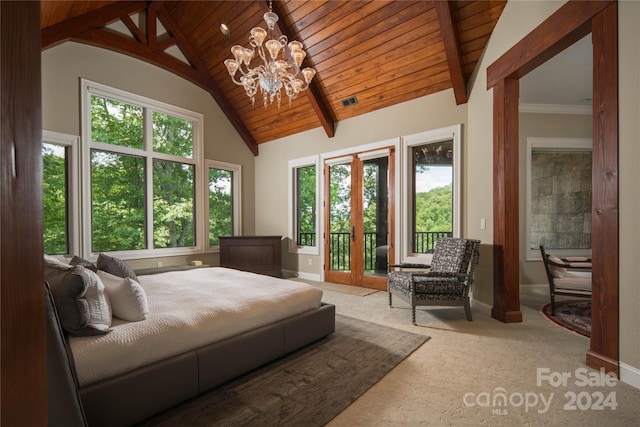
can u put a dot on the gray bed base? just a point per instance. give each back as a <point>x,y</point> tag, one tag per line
<point>132,397</point>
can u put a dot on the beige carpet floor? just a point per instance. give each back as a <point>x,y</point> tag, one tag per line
<point>454,379</point>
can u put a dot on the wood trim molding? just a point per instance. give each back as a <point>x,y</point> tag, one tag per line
<point>562,29</point>
<point>570,23</point>
<point>23,378</point>
<point>506,235</point>
<point>604,223</point>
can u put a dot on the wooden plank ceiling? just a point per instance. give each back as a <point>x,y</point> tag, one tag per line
<point>381,52</point>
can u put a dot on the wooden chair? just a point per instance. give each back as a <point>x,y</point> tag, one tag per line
<point>569,276</point>
<point>443,283</point>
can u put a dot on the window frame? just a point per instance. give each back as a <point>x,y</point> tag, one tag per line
<point>450,133</point>
<point>559,144</point>
<point>73,143</point>
<point>89,88</point>
<point>236,188</point>
<point>292,185</point>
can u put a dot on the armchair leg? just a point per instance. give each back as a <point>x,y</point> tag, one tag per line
<point>413,315</point>
<point>553,306</point>
<point>390,299</point>
<point>467,310</point>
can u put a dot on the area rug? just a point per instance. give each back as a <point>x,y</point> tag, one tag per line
<point>307,388</point>
<point>574,315</point>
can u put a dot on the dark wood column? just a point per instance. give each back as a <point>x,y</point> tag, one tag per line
<point>506,255</point>
<point>604,352</point>
<point>23,386</point>
<point>569,24</point>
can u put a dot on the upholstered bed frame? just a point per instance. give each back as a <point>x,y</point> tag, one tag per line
<point>134,396</point>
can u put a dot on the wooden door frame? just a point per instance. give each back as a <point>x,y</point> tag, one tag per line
<point>357,246</point>
<point>569,24</point>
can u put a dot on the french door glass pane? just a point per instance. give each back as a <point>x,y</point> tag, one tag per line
<point>55,199</point>
<point>173,204</point>
<point>340,217</point>
<point>117,202</point>
<point>375,215</point>
<point>433,194</point>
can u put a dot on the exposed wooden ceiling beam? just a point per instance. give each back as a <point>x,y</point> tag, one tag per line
<point>211,85</point>
<point>88,28</point>
<point>453,52</point>
<point>551,37</point>
<point>63,31</point>
<point>313,92</point>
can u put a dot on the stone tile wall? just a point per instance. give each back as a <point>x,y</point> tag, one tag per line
<point>561,199</point>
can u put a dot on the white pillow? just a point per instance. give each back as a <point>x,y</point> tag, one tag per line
<point>128,298</point>
<point>98,301</point>
<point>557,272</point>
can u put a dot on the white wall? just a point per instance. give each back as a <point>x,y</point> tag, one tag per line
<point>629,165</point>
<point>64,65</point>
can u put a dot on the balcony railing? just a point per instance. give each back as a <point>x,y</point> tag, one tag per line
<point>340,248</point>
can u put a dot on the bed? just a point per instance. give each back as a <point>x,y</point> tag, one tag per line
<point>203,327</point>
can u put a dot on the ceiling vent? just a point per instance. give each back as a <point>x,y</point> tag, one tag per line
<point>348,102</point>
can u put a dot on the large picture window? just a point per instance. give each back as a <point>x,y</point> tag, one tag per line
<point>143,163</point>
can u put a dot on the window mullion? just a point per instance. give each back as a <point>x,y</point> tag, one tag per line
<point>148,146</point>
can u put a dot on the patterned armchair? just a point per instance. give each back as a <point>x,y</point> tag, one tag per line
<point>446,282</point>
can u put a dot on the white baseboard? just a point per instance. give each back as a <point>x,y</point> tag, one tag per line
<point>306,276</point>
<point>630,375</point>
<point>481,307</point>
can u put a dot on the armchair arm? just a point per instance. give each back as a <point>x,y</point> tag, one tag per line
<point>407,265</point>
<point>441,275</point>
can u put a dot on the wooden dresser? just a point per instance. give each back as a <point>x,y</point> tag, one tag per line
<point>257,254</point>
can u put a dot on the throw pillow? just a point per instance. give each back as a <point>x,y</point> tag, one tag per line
<point>54,262</point>
<point>80,299</point>
<point>115,266</point>
<point>557,272</point>
<point>76,260</point>
<point>128,298</point>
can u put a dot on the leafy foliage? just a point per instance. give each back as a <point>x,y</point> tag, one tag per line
<point>220,204</point>
<point>54,192</point>
<point>306,203</point>
<point>118,180</point>
<point>434,210</point>
<point>117,202</point>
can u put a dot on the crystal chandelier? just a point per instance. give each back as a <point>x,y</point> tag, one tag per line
<point>273,74</point>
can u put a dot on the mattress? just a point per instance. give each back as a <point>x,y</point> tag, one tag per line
<point>189,309</point>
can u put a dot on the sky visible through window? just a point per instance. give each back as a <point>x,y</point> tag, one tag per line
<point>430,177</point>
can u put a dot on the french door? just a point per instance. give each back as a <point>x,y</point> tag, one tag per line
<point>358,218</point>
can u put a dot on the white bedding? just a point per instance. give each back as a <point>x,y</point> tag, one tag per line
<point>188,309</point>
